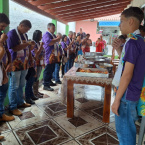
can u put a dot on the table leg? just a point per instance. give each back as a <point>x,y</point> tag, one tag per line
<point>70,99</point>
<point>107,101</point>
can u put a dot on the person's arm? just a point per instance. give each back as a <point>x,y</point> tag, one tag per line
<point>53,41</point>
<point>2,51</point>
<point>39,50</point>
<point>124,82</point>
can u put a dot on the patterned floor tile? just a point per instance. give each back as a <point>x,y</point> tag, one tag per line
<point>72,142</point>
<point>78,126</point>
<point>4,126</point>
<point>44,133</point>
<point>101,136</point>
<point>30,115</point>
<point>54,108</point>
<point>9,139</point>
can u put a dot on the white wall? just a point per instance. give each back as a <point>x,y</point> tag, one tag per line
<point>39,22</point>
<point>60,27</point>
<point>72,26</point>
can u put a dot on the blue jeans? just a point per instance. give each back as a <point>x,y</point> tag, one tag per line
<point>70,63</point>
<point>125,122</point>
<point>66,67</point>
<point>3,92</point>
<point>39,69</point>
<point>56,72</point>
<point>47,74</point>
<point>17,82</point>
<point>28,88</point>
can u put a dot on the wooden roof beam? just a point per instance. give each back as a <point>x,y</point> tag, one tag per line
<point>83,6</point>
<point>42,2</point>
<point>90,11</point>
<point>91,17</point>
<point>101,12</point>
<point>63,4</point>
<point>93,14</point>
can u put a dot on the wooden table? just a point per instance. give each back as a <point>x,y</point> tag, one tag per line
<point>72,79</point>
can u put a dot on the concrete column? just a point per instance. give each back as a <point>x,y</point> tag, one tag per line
<point>67,29</point>
<point>4,8</point>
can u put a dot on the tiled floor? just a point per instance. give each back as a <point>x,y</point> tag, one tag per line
<point>45,123</point>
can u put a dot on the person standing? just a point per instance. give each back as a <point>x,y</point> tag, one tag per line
<point>5,66</point>
<point>70,42</point>
<point>130,75</point>
<point>99,47</point>
<point>56,77</point>
<point>82,34</point>
<point>19,47</point>
<point>39,54</point>
<point>49,39</point>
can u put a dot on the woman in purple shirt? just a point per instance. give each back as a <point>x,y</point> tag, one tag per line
<point>65,48</point>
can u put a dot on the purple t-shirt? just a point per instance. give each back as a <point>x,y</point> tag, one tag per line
<point>49,50</point>
<point>63,45</point>
<point>19,63</point>
<point>39,61</point>
<point>135,54</point>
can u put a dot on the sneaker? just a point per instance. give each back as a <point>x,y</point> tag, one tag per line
<point>48,88</point>
<point>58,82</point>
<point>34,98</point>
<point>24,105</point>
<point>30,101</point>
<point>16,112</point>
<point>52,84</point>
<point>1,137</point>
<point>7,118</point>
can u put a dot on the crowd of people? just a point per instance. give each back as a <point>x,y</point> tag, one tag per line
<point>22,60</point>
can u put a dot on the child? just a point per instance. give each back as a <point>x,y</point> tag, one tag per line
<point>38,54</point>
<point>4,21</point>
<point>129,76</point>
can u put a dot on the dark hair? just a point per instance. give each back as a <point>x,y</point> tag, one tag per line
<point>134,12</point>
<point>63,37</point>
<point>142,28</point>
<point>88,35</point>
<point>26,23</point>
<point>122,37</point>
<point>36,35</point>
<point>4,19</point>
<point>99,38</point>
<point>50,25</point>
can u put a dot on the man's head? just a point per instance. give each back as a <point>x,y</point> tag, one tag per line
<point>4,21</point>
<point>70,34</point>
<point>142,30</point>
<point>24,26</point>
<point>81,30</point>
<point>51,28</point>
<point>88,36</point>
<point>131,18</point>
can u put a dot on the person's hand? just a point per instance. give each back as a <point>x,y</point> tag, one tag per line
<point>115,107</point>
<point>3,37</point>
<point>41,44</point>
<point>32,43</point>
<point>116,43</point>
<point>9,67</point>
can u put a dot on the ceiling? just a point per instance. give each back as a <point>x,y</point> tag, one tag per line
<point>75,10</point>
